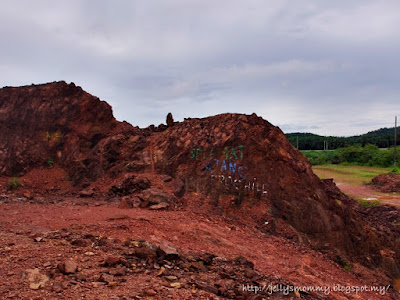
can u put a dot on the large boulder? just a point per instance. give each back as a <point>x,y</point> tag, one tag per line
<point>155,196</point>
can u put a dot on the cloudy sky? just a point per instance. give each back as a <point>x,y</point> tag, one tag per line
<point>321,66</point>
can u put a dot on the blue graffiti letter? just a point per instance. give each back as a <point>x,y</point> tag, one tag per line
<point>208,167</point>
<point>240,172</point>
<point>232,167</point>
<point>217,160</point>
<point>223,166</point>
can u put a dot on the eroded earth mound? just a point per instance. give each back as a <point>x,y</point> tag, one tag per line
<point>387,183</point>
<point>235,166</point>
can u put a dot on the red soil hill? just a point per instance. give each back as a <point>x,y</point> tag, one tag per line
<point>242,165</point>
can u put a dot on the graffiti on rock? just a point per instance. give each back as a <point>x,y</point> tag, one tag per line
<point>230,153</point>
<point>224,165</point>
<point>249,185</point>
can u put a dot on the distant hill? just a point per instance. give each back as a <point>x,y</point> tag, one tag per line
<point>383,138</point>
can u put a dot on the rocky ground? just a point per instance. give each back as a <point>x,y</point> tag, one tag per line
<point>67,248</point>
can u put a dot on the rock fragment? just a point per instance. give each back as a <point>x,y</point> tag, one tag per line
<point>162,205</point>
<point>150,292</point>
<point>155,196</point>
<point>36,279</point>
<point>86,193</point>
<point>129,202</point>
<point>68,267</point>
<point>107,278</point>
<point>167,252</point>
<point>111,261</point>
<point>28,195</point>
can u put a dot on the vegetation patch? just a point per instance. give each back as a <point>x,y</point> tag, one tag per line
<point>13,183</point>
<point>354,175</point>
<point>50,162</point>
<point>343,263</point>
<point>369,155</point>
<point>369,203</point>
<point>347,267</point>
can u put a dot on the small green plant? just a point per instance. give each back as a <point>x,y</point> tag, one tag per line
<point>369,203</point>
<point>347,267</point>
<point>13,183</point>
<point>50,162</point>
<point>396,223</point>
<point>343,263</point>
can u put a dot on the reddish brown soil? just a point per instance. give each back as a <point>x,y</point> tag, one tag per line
<point>21,222</point>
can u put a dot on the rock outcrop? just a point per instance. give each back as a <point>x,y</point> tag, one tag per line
<point>244,165</point>
<point>54,122</point>
<point>170,120</point>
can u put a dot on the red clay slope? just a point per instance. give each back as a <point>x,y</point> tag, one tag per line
<point>235,166</point>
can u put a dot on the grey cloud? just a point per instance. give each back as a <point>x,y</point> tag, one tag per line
<point>329,67</point>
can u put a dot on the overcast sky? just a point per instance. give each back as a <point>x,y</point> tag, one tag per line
<point>327,67</point>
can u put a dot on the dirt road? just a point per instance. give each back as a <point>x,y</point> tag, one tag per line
<point>354,181</point>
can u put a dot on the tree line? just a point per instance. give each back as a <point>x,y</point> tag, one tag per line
<point>381,138</point>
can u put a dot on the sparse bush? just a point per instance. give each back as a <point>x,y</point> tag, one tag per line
<point>351,154</point>
<point>312,157</point>
<point>322,157</point>
<point>13,184</point>
<point>384,158</point>
<point>50,162</point>
<point>347,267</point>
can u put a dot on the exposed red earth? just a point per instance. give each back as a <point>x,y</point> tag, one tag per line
<point>201,209</point>
<point>388,183</point>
